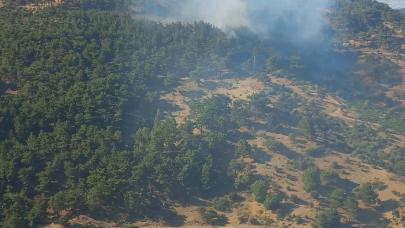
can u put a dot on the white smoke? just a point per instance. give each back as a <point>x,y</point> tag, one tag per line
<point>302,19</point>
<point>224,14</point>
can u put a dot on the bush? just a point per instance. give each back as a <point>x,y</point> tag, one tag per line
<point>243,180</point>
<point>259,190</point>
<point>295,199</point>
<point>316,151</point>
<point>211,217</point>
<point>223,204</point>
<point>272,202</point>
<point>367,194</point>
<point>328,219</point>
<point>311,179</point>
<point>234,197</point>
<point>274,144</point>
<point>243,148</point>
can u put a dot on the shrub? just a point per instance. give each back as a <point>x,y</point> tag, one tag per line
<point>259,190</point>
<point>223,204</point>
<point>272,202</point>
<point>211,217</point>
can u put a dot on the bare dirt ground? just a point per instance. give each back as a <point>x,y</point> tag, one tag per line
<point>277,166</point>
<point>241,89</point>
<point>86,221</point>
<point>41,5</point>
<point>237,89</point>
<point>358,172</point>
<point>11,92</point>
<point>180,101</point>
<point>54,226</point>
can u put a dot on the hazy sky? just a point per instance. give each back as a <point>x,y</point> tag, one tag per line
<point>395,3</point>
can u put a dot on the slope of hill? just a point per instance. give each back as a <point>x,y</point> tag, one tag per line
<point>107,120</point>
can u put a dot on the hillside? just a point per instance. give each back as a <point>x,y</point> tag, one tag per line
<point>108,119</point>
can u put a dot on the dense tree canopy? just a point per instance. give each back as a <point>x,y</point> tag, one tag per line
<point>78,135</point>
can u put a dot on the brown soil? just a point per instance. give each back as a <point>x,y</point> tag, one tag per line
<point>41,5</point>
<point>277,167</point>
<point>86,221</point>
<point>54,226</point>
<point>12,92</point>
<point>180,101</point>
<point>241,89</point>
<point>332,105</point>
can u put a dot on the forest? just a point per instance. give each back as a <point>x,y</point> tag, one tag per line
<point>83,129</point>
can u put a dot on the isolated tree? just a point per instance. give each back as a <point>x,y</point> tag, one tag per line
<point>207,172</point>
<point>211,217</point>
<point>273,201</point>
<point>351,206</point>
<point>329,177</point>
<point>243,179</point>
<point>337,197</point>
<point>311,179</point>
<point>306,127</point>
<point>243,148</point>
<point>259,190</point>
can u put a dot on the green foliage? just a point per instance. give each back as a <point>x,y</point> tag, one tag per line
<point>330,178</point>
<point>65,139</point>
<point>367,194</point>
<point>306,128</point>
<point>241,172</point>
<point>243,148</point>
<point>259,190</point>
<point>351,206</point>
<point>223,204</point>
<point>302,163</point>
<point>211,217</point>
<point>243,180</point>
<point>273,201</point>
<point>311,179</point>
<point>274,144</point>
<point>328,219</point>
<point>337,198</point>
<point>212,113</point>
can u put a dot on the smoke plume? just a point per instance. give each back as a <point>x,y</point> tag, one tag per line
<point>299,19</point>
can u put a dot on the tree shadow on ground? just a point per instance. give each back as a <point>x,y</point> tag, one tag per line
<point>387,206</point>
<point>261,156</point>
<point>286,209</point>
<point>173,219</point>
<point>168,107</point>
<point>290,154</point>
<point>371,218</point>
